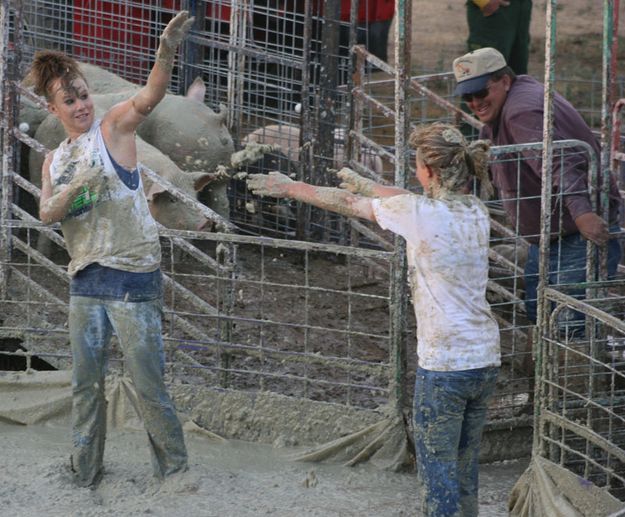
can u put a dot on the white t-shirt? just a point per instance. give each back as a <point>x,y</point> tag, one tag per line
<point>115,229</point>
<point>447,247</point>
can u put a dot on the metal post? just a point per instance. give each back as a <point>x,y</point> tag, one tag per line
<point>226,278</point>
<point>355,79</point>
<point>352,144</point>
<point>545,233</point>
<point>306,157</point>
<point>328,81</point>
<point>236,63</point>
<point>8,66</point>
<point>610,43</point>
<point>192,54</point>
<point>403,8</point>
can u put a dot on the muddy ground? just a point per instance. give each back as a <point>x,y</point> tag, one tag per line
<point>235,479</point>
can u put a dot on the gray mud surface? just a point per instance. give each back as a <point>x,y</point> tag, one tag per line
<point>236,479</point>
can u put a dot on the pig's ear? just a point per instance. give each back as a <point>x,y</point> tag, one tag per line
<point>197,90</point>
<point>154,192</point>
<point>201,179</point>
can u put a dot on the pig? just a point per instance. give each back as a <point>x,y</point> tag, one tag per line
<point>194,137</point>
<point>166,209</point>
<point>30,116</point>
<point>103,81</point>
<point>287,138</point>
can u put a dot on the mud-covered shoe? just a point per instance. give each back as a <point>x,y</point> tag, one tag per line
<point>184,482</point>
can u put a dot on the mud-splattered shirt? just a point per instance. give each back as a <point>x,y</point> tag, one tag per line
<point>113,227</point>
<point>447,247</point>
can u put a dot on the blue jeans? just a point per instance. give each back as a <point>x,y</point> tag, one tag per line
<point>449,415</point>
<point>567,265</point>
<point>138,329</point>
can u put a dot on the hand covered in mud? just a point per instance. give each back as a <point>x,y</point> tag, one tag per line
<point>91,178</point>
<point>176,30</point>
<point>274,184</point>
<point>355,183</point>
<point>221,174</point>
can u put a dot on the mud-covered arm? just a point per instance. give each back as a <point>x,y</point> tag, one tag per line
<point>336,200</point>
<point>54,208</point>
<point>126,116</point>
<point>357,184</point>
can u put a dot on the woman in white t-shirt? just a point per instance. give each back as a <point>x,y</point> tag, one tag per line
<point>446,233</point>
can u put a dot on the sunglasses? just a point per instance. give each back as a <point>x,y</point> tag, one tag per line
<point>468,97</point>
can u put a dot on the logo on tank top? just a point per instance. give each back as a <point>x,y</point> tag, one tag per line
<point>83,202</point>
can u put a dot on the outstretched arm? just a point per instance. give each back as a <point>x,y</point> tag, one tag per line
<point>126,116</point>
<point>336,200</point>
<point>357,184</point>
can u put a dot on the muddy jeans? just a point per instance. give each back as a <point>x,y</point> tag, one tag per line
<point>138,329</point>
<point>449,415</point>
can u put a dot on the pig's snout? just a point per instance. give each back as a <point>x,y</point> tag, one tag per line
<point>204,225</point>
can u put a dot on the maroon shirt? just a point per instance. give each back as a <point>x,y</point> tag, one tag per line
<point>519,181</point>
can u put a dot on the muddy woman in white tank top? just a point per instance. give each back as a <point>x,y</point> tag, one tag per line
<point>92,186</point>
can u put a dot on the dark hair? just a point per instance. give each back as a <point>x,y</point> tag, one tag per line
<point>50,65</point>
<point>499,74</point>
<point>443,148</point>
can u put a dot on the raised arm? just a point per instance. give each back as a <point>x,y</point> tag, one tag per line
<point>126,116</point>
<point>336,200</point>
<point>358,184</point>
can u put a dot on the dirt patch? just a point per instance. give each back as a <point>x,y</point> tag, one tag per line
<point>440,33</point>
<point>236,479</point>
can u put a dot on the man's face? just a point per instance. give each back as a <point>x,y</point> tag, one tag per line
<point>486,104</point>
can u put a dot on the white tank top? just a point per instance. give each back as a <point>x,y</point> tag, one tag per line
<point>114,229</point>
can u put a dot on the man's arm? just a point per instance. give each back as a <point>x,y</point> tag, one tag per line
<point>569,176</point>
<point>336,200</point>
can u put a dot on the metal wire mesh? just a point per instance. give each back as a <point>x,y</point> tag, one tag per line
<point>582,389</point>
